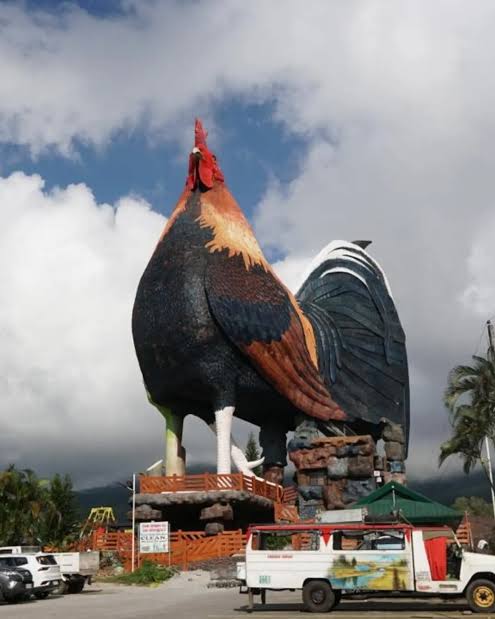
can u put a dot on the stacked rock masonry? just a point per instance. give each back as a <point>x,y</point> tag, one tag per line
<point>335,472</point>
<point>395,452</point>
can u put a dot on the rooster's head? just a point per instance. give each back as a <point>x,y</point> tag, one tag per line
<point>203,167</point>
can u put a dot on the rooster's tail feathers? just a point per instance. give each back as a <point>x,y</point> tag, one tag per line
<point>361,343</point>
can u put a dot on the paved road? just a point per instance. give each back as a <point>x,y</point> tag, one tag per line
<point>191,600</point>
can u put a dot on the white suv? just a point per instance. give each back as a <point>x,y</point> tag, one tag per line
<point>43,567</point>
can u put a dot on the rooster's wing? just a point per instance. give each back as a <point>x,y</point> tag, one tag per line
<point>261,317</point>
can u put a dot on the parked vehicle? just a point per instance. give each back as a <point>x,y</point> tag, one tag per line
<point>15,584</point>
<point>76,568</point>
<point>329,560</point>
<point>44,570</point>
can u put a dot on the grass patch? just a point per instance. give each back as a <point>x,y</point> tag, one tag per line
<point>149,573</point>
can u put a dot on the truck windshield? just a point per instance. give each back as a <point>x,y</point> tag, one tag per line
<point>46,560</point>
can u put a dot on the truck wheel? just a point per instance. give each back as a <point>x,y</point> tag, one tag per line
<point>61,588</point>
<point>76,586</point>
<point>480,596</point>
<point>318,596</point>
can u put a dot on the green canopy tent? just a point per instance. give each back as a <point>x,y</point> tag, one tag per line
<point>415,507</point>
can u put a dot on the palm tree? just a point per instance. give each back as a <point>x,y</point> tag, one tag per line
<point>22,501</point>
<point>61,522</point>
<point>36,511</point>
<point>470,399</point>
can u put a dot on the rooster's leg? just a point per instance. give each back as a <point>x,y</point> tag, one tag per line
<point>238,457</point>
<point>223,425</point>
<point>175,454</point>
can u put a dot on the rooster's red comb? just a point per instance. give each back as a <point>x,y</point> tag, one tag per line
<point>205,168</point>
<point>200,134</point>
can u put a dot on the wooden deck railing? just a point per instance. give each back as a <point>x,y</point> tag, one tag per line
<point>206,482</point>
<point>284,513</point>
<point>289,495</point>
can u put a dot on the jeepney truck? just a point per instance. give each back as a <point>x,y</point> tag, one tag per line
<point>328,560</point>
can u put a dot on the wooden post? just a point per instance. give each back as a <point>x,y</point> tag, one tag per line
<point>183,546</point>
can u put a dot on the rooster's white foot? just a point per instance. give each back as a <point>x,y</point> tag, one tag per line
<point>241,462</point>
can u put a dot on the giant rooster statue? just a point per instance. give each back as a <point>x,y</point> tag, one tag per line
<point>216,332</point>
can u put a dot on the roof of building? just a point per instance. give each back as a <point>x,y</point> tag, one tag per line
<point>414,507</point>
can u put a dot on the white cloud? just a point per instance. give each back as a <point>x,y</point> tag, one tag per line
<point>331,67</point>
<point>70,389</point>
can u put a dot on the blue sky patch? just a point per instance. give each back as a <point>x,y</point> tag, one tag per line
<point>250,146</point>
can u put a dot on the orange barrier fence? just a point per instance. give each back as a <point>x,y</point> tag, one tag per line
<point>185,547</point>
<point>113,541</point>
<point>206,482</point>
<point>188,547</point>
<point>464,533</point>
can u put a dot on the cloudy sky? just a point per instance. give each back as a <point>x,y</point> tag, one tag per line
<point>336,120</point>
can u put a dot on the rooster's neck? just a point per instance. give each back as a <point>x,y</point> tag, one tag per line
<point>230,229</point>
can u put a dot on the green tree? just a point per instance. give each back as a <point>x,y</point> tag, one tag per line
<point>22,501</point>
<point>253,453</point>
<point>470,400</point>
<point>61,524</point>
<point>33,510</point>
<point>473,505</point>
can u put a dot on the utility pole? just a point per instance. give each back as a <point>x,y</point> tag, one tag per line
<point>490,473</point>
<point>491,335</point>
<point>491,353</point>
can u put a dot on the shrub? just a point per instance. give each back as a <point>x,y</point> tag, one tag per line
<point>147,574</point>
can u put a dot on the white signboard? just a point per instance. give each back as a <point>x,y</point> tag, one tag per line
<point>153,537</point>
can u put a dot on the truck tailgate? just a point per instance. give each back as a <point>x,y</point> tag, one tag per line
<point>89,562</point>
<point>84,563</point>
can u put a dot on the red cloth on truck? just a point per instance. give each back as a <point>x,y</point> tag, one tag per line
<point>436,551</point>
